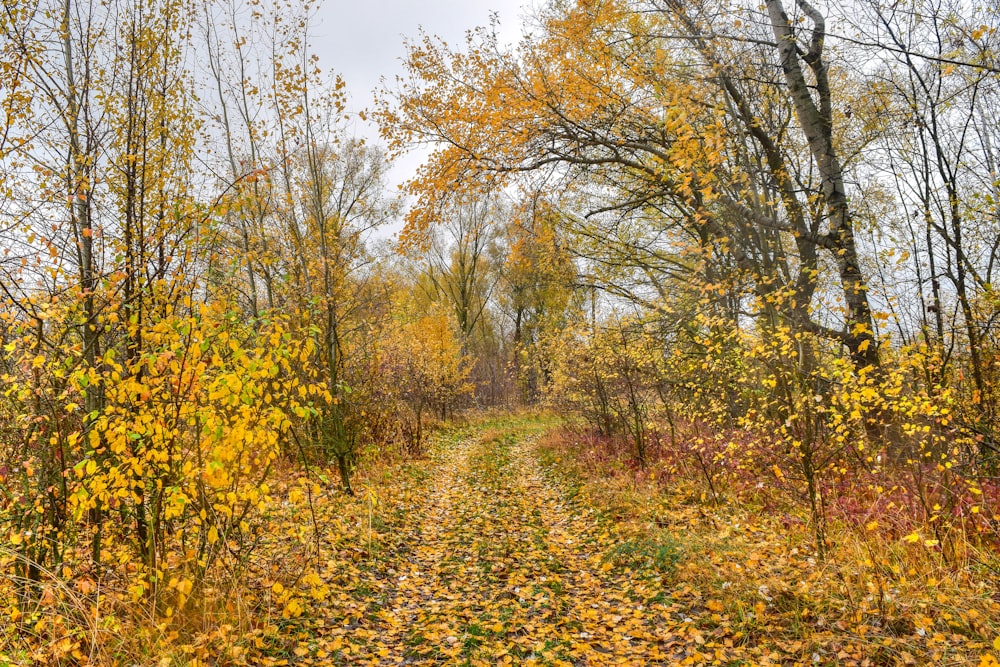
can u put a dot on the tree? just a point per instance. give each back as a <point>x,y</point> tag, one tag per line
<point>536,290</point>
<point>109,141</point>
<point>596,101</point>
<point>430,371</point>
<point>305,199</point>
<point>941,165</point>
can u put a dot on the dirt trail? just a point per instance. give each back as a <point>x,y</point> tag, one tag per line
<point>495,565</point>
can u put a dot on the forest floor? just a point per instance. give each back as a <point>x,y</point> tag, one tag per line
<point>498,548</point>
<point>498,566</point>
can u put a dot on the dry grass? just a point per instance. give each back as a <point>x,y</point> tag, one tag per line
<point>873,599</point>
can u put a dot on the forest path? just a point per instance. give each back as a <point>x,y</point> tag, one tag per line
<point>495,563</point>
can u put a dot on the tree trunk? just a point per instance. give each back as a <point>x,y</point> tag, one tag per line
<point>815,117</point>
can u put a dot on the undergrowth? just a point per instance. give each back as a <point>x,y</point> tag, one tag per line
<point>752,574</point>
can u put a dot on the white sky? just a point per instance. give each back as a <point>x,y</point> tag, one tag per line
<point>362,40</point>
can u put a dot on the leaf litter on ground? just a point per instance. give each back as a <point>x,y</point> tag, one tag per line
<point>501,548</point>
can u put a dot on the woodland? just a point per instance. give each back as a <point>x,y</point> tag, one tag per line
<point>681,345</point>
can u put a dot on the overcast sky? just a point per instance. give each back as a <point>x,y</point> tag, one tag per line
<point>362,40</point>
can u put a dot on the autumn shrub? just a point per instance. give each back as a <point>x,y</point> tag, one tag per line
<point>611,380</point>
<point>881,443</point>
<point>779,418</point>
<point>702,452</point>
<point>867,442</point>
<point>43,417</point>
<point>428,371</point>
<point>373,399</point>
<point>160,493</point>
<point>406,373</point>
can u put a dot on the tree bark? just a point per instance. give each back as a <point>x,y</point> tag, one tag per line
<point>815,118</point>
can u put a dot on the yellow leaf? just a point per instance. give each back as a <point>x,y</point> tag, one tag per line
<point>912,538</point>
<point>213,535</point>
<point>292,610</point>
